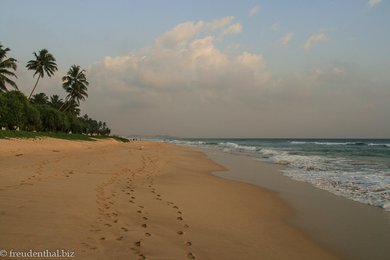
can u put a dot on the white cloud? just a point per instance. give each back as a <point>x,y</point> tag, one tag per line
<point>253,61</point>
<point>285,40</point>
<point>180,34</point>
<point>186,85</point>
<point>373,3</point>
<point>315,38</point>
<point>232,29</point>
<point>254,10</point>
<point>220,23</point>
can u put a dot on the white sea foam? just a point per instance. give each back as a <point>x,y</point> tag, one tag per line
<point>232,147</point>
<point>183,142</point>
<point>363,180</point>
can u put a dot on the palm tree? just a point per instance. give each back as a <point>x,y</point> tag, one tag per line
<point>40,99</point>
<point>75,84</point>
<point>56,101</point>
<point>44,63</point>
<point>72,107</point>
<point>6,65</point>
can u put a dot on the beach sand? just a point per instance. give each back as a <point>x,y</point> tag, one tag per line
<point>138,200</point>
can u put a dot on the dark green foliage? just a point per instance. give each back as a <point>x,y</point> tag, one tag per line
<point>76,85</point>
<point>44,63</point>
<point>16,112</point>
<point>40,99</point>
<point>24,134</point>
<point>13,112</point>
<point>56,101</point>
<point>7,68</point>
<point>50,118</point>
<point>54,116</point>
<point>33,118</point>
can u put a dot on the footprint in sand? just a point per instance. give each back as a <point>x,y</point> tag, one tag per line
<point>147,234</point>
<point>144,225</point>
<point>179,218</point>
<point>102,238</point>
<point>119,238</point>
<point>188,243</point>
<point>145,218</point>
<point>124,229</point>
<point>190,256</point>
<point>19,154</point>
<point>180,232</point>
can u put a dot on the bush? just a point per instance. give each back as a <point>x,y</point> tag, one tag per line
<point>13,110</point>
<point>33,118</point>
<point>50,118</point>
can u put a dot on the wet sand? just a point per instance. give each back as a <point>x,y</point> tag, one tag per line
<point>138,200</point>
<point>349,228</point>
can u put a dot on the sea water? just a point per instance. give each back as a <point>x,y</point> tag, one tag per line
<point>357,169</point>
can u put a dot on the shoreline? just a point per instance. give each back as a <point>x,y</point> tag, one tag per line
<point>344,226</point>
<point>109,200</point>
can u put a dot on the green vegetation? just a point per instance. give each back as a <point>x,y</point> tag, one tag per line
<point>40,115</point>
<point>25,134</point>
<point>44,63</point>
<point>7,66</point>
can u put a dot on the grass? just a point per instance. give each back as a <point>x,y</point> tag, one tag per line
<point>5,134</point>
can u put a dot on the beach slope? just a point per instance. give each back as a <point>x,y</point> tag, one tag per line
<point>138,200</point>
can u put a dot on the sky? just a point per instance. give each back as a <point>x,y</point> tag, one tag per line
<point>303,68</point>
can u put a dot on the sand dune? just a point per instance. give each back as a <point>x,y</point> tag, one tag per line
<point>139,200</point>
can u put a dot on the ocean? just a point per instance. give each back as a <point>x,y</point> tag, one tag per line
<point>357,169</point>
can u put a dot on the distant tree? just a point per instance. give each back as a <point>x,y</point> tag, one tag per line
<point>7,66</point>
<point>76,125</point>
<point>50,118</point>
<point>76,85</point>
<point>3,110</point>
<point>14,110</point>
<point>72,107</point>
<point>56,101</point>
<point>33,117</point>
<point>40,99</point>
<point>44,63</point>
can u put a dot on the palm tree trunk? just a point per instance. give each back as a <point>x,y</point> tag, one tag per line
<point>61,106</point>
<point>36,83</point>
<point>70,103</point>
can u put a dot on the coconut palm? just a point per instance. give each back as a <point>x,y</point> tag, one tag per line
<point>56,101</point>
<point>40,98</point>
<point>6,67</point>
<point>76,85</point>
<point>44,63</point>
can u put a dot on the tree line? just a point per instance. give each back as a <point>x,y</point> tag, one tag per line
<point>38,112</point>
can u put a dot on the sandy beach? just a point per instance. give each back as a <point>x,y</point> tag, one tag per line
<point>138,200</point>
